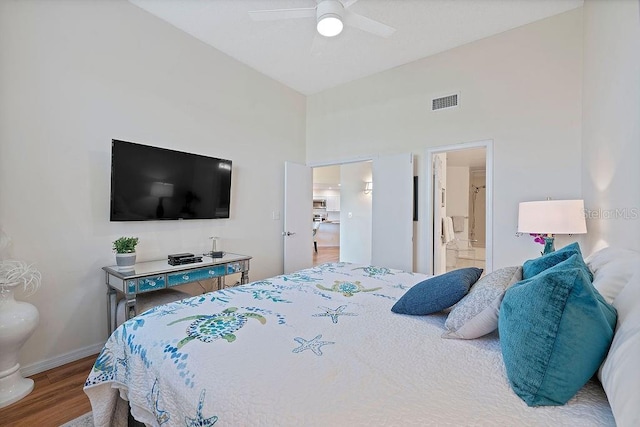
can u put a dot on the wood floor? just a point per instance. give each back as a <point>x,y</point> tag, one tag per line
<point>326,254</point>
<point>56,398</point>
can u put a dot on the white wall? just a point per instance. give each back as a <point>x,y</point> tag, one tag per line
<point>521,88</point>
<point>75,74</point>
<point>611,123</point>
<point>326,175</point>
<point>355,213</point>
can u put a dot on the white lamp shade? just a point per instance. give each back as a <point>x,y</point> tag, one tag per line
<point>552,217</point>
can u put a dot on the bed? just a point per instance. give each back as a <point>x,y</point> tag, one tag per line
<point>314,348</point>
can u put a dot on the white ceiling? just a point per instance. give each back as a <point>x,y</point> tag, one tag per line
<point>291,52</point>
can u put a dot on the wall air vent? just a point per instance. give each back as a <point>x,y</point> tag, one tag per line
<point>443,102</point>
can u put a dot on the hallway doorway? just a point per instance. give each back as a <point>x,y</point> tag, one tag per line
<point>342,212</point>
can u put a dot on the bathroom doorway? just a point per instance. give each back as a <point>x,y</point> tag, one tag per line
<point>459,200</point>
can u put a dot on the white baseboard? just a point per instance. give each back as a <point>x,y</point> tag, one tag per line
<point>45,365</point>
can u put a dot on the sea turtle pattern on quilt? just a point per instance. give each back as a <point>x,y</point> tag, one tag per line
<point>207,328</point>
<point>347,288</point>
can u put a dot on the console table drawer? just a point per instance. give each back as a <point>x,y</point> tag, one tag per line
<point>237,267</point>
<point>195,275</point>
<point>147,284</point>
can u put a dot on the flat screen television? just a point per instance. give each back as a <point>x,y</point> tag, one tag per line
<point>151,183</point>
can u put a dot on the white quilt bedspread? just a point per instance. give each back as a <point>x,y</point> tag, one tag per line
<point>319,347</point>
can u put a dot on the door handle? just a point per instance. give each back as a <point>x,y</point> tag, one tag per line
<point>288,233</point>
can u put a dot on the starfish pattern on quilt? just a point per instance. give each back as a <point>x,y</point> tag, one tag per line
<point>334,313</point>
<point>199,420</point>
<point>313,344</point>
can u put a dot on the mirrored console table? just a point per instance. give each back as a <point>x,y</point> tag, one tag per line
<point>153,276</point>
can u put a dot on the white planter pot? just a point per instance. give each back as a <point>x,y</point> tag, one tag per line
<point>126,262</point>
<point>18,320</point>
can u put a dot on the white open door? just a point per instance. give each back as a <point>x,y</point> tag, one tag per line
<point>392,216</point>
<point>439,204</point>
<point>298,217</point>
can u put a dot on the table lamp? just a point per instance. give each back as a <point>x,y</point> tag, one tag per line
<point>551,217</point>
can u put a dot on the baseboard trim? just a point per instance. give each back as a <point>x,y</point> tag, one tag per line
<point>45,365</point>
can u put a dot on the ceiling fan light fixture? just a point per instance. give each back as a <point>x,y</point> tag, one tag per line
<point>330,25</point>
<point>329,17</point>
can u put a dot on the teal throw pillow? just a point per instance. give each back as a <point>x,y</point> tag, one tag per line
<point>437,293</point>
<point>555,331</point>
<point>537,265</point>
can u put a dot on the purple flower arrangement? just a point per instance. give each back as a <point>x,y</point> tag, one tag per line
<point>538,238</point>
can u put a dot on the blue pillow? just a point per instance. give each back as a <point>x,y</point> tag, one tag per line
<point>555,331</point>
<point>437,293</point>
<point>573,261</point>
<point>537,265</point>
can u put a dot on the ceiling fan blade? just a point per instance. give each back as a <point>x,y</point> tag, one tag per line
<point>369,25</point>
<point>348,3</point>
<point>277,14</point>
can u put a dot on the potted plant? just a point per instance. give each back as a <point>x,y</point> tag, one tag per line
<point>125,248</point>
<point>18,320</point>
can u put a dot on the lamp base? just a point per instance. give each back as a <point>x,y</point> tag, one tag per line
<point>13,386</point>
<point>548,245</point>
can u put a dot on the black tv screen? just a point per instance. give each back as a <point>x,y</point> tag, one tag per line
<point>150,183</point>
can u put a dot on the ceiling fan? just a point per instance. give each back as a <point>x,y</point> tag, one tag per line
<point>331,16</point>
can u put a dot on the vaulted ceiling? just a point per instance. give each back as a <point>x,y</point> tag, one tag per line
<point>291,52</point>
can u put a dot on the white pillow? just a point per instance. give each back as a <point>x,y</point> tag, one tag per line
<point>604,256</point>
<point>477,313</point>
<point>619,373</point>
<point>612,269</point>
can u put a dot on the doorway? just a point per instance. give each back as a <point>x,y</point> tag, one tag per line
<point>384,235</point>
<point>326,214</point>
<point>342,214</point>
<point>459,207</point>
